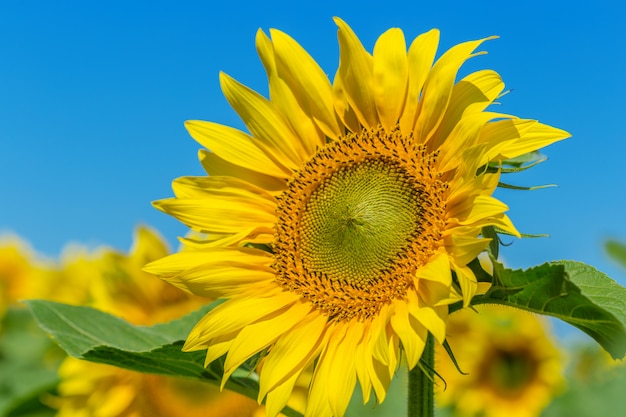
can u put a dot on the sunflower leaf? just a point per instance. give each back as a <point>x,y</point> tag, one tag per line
<point>95,336</point>
<point>571,291</point>
<point>28,365</point>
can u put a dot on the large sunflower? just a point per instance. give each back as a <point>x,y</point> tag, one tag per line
<point>340,227</point>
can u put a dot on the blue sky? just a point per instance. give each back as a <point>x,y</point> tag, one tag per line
<point>93,96</point>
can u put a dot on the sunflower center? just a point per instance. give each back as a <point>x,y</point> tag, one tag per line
<point>509,372</point>
<point>358,220</point>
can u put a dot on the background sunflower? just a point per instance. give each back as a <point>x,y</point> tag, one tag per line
<point>514,367</point>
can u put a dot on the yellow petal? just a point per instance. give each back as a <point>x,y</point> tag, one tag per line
<point>362,366</point>
<point>217,347</point>
<point>209,187</point>
<point>436,270</point>
<point>505,223</point>
<point>381,378</point>
<point>438,88</point>
<point>380,344</point>
<point>390,73</point>
<point>221,279</point>
<point>292,351</point>
<point>501,134</point>
<point>437,294</point>
<point>469,96</point>
<point>356,73</point>
<point>214,165</point>
<point>464,189</point>
<point>220,214</point>
<point>537,137</point>
<point>483,287</point>
<point>235,314</point>
<point>465,249</point>
<point>261,235</point>
<point>482,207</point>
<point>278,397</point>
<point>411,334</point>
<point>464,136</point>
<point>371,372</point>
<point>265,122</point>
<point>342,372</point>
<point>342,106</point>
<point>317,402</point>
<point>467,281</point>
<point>181,261</point>
<point>432,318</point>
<point>287,100</point>
<point>420,59</point>
<point>309,82</point>
<point>394,350</point>
<point>256,336</point>
<point>236,147</point>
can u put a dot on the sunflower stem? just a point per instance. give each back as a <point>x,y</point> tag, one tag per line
<point>421,385</point>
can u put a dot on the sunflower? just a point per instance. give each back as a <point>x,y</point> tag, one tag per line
<point>339,229</point>
<point>23,273</point>
<point>16,269</point>
<point>513,367</point>
<point>119,286</point>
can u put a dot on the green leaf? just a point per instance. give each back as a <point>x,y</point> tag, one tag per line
<point>93,335</point>
<point>617,251</point>
<point>28,365</point>
<point>571,291</point>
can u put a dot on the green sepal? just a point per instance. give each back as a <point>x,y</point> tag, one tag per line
<point>479,272</point>
<point>525,161</point>
<point>518,164</point>
<point>522,235</point>
<point>521,188</point>
<point>490,232</point>
<point>450,353</point>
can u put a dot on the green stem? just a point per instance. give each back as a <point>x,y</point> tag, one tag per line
<point>421,387</point>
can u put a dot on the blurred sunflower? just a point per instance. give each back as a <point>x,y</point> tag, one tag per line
<point>119,286</point>
<point>513,367</point>
<point>15,266</point>
<point>341,226</point>
<point>22,273</point>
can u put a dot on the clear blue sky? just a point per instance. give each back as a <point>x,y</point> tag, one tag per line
<point>93,96</point>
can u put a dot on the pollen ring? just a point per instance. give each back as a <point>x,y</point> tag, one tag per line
<point>357,221</point>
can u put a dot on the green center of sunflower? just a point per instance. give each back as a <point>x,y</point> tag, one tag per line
<point>358,220</point>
